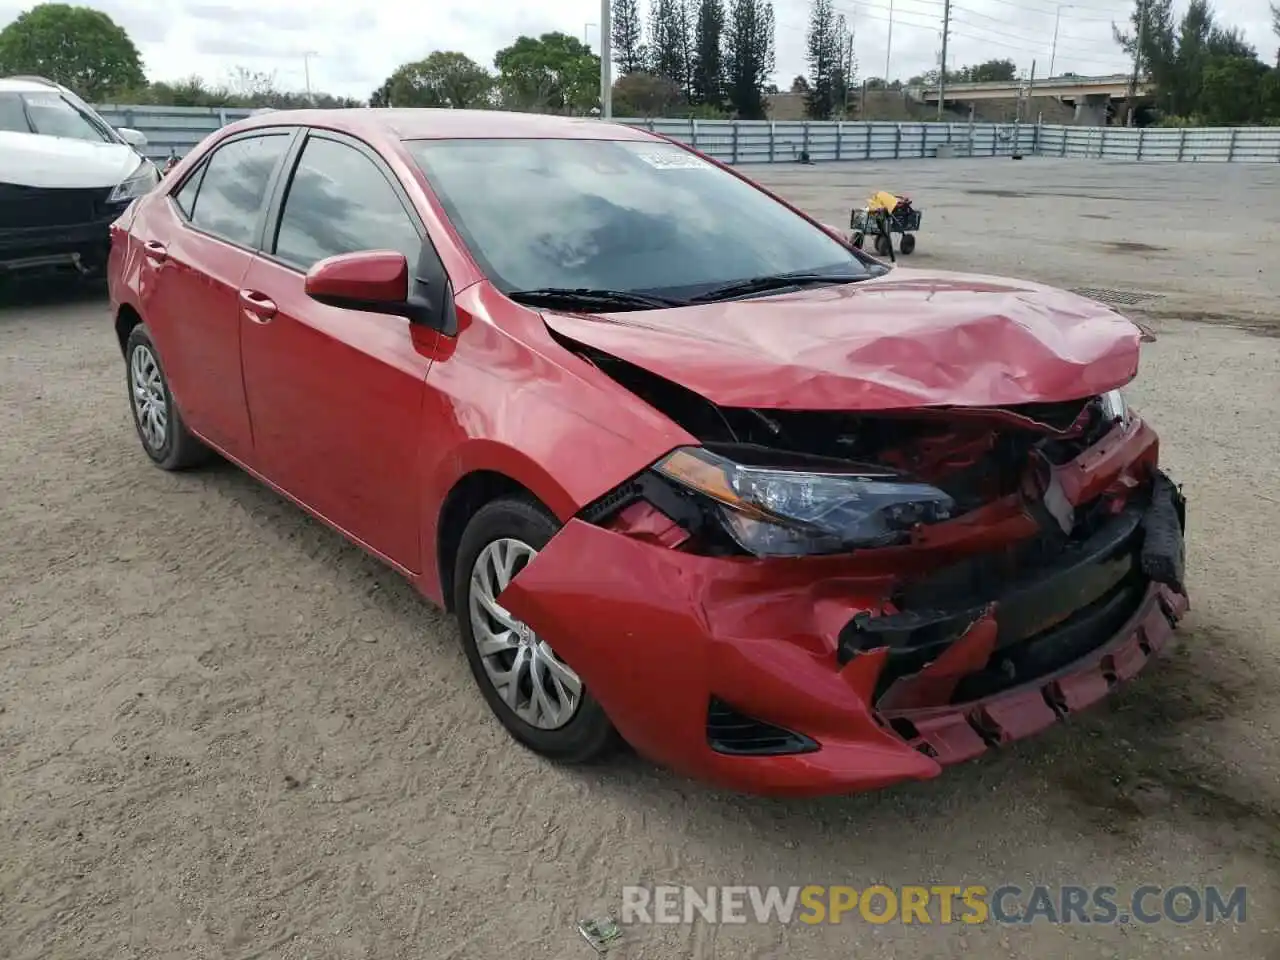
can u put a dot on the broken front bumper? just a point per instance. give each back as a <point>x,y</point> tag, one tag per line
<point>789,676</point>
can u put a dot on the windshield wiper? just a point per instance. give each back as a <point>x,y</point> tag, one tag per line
<point>577,296</point>
<point>777,281</point>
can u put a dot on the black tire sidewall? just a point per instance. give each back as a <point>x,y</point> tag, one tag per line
<point>140,337</point>
<point>589,734</point>
<point>908,244</point>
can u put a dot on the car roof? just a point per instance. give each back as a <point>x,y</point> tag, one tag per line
<point>27,85</point>
<point>437,124</point>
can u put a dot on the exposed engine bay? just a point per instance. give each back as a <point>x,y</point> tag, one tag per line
<point>975,455</point>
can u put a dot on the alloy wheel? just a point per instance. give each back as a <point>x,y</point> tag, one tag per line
<point>526,673</point>
<point>150,403</point>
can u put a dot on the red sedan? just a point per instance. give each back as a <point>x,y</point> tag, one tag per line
<point>693,472</point>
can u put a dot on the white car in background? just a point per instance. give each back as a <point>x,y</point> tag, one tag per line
<point>65,175</point>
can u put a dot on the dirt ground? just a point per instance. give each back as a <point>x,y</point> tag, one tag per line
<point>226,733</point>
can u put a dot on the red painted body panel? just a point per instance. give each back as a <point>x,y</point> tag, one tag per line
<point>763,634</point>
<point>908,339</point>
<point>370,422</point>
<point>336,399</point>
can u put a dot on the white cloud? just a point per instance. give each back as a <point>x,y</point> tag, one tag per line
<point>354,47</point>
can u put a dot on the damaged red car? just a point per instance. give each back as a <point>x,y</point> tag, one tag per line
<point>693,472</point>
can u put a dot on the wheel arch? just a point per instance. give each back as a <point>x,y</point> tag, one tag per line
<point>469,494</point>
<point>127,318</point>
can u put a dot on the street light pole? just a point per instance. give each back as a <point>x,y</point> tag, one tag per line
<point>1057,21</point>
<point>888,47</point>
<point>942,64</point>
<point>606,61</point>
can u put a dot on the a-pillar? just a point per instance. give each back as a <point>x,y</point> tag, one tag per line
<point>1091,110</point>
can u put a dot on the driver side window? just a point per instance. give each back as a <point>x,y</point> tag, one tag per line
<point>339,201</point>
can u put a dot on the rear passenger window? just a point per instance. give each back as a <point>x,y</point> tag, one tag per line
<point>341,202</point>
<point>233,190</point>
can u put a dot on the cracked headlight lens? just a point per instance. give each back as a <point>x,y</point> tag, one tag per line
<point>137,184</point>
<point>779,511</point>
<point>1114,407</point>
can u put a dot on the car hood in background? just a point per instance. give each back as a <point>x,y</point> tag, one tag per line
<point>910,338</point>
<point>34,160</point>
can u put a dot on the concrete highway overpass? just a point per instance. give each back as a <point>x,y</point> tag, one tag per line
<point>1089,95</point>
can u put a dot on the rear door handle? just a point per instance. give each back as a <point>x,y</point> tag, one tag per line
<point>156,251</point>
<point>259,307</point>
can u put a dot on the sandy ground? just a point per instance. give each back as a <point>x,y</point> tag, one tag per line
<point>226,733</point>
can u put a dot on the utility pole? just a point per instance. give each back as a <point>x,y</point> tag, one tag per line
<point>606,61</point>
<point>942,66</point>
<point>888,47</point>
<point>846,73</point>
<point>1137,59</point>
<point>306,71</point>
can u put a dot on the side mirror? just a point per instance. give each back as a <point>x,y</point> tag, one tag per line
<point>375,280</point>
<point>134,138</point>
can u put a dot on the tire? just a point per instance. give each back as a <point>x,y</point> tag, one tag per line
<point>883,245</point>
<point>908,243</point>
<point>170,445</point>
<point>586,734</point>
<point>858,240</point>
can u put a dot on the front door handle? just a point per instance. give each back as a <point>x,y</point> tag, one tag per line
<point>156,251</point>
<point>259,307</point>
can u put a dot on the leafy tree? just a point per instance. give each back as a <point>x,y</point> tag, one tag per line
<point>555,73</point>
<point>1232,90</point>
<point>641,94</point>
<point>670,41</point>
<point>994,71</point>
<point>79,47</point>
<point>749,56</point>
<point>828,39</point>
<point>628,37</point>
<point>800,85</point>
<point>706,82</point>
<point>444,78</point>
<point>382,96</point>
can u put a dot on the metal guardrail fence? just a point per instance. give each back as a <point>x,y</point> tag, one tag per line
<point>178,129</point>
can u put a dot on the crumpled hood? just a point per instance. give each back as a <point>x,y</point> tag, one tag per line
<point>908,339</point>
<point>33,160</point>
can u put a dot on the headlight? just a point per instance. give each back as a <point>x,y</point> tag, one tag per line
<point>139,182</point>
<point>772,511</point>
<point>1114,407</point>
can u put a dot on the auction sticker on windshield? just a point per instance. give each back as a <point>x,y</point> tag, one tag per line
<point>673,160</point>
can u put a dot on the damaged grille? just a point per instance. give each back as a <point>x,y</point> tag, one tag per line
<point>24,207</point>
<point>731,732</point>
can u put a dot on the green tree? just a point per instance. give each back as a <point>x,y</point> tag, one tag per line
<point>628,36</point>
<point>553,73</point>
<point>1232,90</point>
<point>994,71</point>
<point>749,56</point>
<point>800,85</point>
<point>642,94</point>
<point>79,47</point>
<point>444,78</point>
<point>670,40</point>
<point>707,80</point>
<point>826,39</point>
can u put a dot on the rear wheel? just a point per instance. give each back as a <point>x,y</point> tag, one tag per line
<point>538,697</point>
<point>164,435</point>
<point>908,243</point>
<point>884,245</point>
<point>858,240</point>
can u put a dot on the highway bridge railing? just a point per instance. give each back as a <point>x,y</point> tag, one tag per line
<point>175,130</point>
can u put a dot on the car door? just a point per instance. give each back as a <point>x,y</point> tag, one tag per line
<point>199,245</point>
<point>336,395</point>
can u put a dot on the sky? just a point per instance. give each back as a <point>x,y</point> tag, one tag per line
<point>349,52</point>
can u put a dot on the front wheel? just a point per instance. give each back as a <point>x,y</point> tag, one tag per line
<point>884,245</point>
<point>164,435</point>
<point>858,240</point>
<point>908,243</point>
<point>537,696</point>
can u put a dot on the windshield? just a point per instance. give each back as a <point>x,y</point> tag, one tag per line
<point>618,215</point>
<point>49,114</point>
